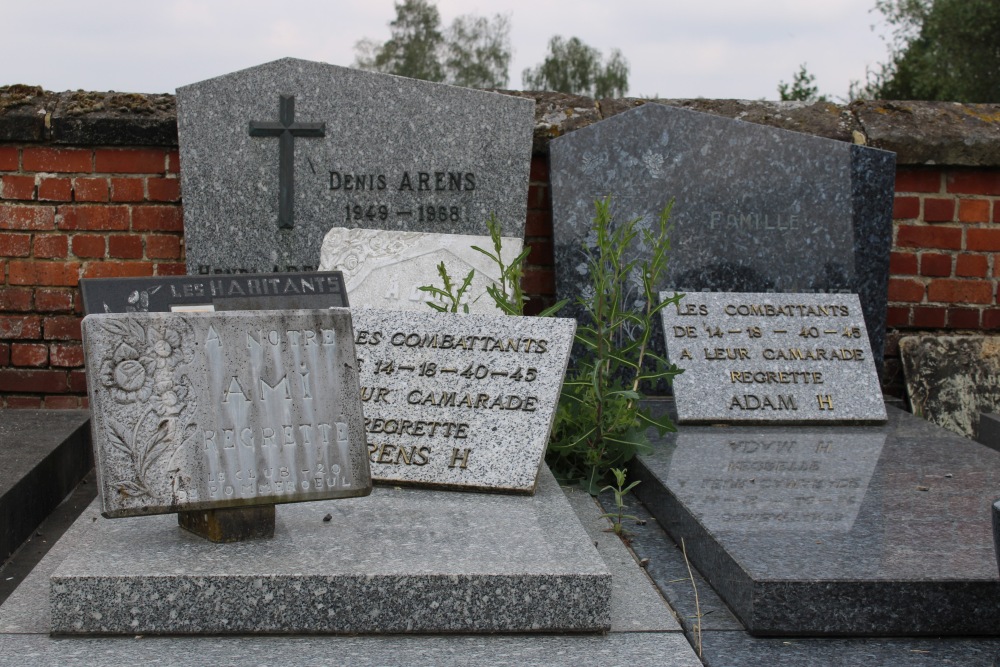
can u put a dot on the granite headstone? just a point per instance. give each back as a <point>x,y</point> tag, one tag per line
<point>277,154</point>
<point>460,401</point>
<point>222,410</point>
<point>952,380</point>
<point>784,358</point>
<point>757,209</point>
<point>385,269</point>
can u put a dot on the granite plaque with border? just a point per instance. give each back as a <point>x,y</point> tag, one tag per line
<point>219,410</point>
<point>757,209</point>
<point>277,154</point>
<point>791,358</point>
<point>165,293</point>
<point>460,401</point>
<point>385,269</point>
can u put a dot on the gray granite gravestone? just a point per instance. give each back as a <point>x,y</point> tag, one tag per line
<point>460,401</point>
<point>757,209</point>
<point>385,269</point>
<point>781,358</point>
<point>952,380</point>
<point>196,411</point>
<point>277,154</point>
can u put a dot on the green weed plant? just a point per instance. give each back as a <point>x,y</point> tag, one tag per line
<point>600,424</point>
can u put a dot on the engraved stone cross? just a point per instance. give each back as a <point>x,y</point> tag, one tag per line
<point>286,129</point>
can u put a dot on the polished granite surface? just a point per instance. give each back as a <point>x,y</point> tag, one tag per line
<point>397,561</point>
<point>876,530</point>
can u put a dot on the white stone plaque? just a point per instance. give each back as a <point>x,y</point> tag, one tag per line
<point>753,357</point>
<point>386,269</point>
<point>207,410</point>
<point>460,401</point>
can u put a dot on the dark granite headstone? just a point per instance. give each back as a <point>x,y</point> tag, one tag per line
<point>276,155</point>
<point>757,209</point>
<point>288,291</point>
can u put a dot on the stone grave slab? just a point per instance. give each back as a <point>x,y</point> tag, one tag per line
<point>460,401</point>
<point>401,561</point>
<point>952,380</point>
<point>756,357</point>
<point>165,293</point>
<point>385,269</point>
<point>848,531</point>
<point>45,454</point>
<point>214,410</point>
<point>275,155</point>
<point>757,209</point>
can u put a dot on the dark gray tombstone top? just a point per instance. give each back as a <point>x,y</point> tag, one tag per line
<point>284,291</point>
<point>276,155</point>
<point>757,209</point>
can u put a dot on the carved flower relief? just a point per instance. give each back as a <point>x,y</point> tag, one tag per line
<point>143,369</point>
<point>127,375</point>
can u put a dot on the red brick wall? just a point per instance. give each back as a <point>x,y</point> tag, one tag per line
<point>944,270</point>
<point>71,212</point>
<point>539,280</point>
<point>67,213</point>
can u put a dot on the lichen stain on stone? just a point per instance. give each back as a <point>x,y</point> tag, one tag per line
<point>990,348</point>
<point>985,117</point>
<point>18,94</point>
<point>82,102</point>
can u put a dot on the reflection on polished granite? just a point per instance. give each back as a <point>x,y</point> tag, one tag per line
<point>862,530</point>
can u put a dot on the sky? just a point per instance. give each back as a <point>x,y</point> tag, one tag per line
<point>738,49</point>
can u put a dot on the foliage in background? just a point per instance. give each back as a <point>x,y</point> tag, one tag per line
<point>576,68</point>
<point>947,50</point>
<point>801,89</point>
<point>600,424</point>
<point>474,52</point>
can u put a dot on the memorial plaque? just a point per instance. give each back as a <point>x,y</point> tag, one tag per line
<point>277,154</point>
<point>460,401</point>
<point>165,293</point>
<point>757,209</point>
<point>219,410</point>
<point>772,358</point>
<point>952,380</point>
<point>385,269</point>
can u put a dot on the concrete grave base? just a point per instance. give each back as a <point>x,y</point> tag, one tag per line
<point>399,561</point>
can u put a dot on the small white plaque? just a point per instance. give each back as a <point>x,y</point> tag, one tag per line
<point>386,269</point>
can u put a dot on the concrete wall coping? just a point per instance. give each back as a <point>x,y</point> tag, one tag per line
<point>920,133</point>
